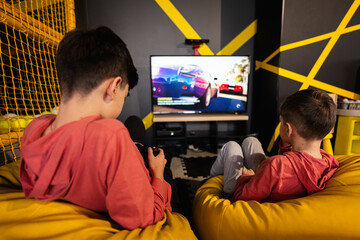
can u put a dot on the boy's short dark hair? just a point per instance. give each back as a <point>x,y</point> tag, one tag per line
<point>85,58</point>
<point>312,112</point>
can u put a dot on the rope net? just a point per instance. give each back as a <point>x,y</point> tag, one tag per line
<point>30,31</point>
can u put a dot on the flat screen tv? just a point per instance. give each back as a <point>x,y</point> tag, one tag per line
<point>199,84</point>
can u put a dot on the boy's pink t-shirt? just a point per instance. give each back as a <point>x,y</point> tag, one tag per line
<point>286,176</point>
<point>92,163</point>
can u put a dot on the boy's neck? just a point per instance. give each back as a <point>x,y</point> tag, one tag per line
<point>76,108</point>
<point>311,147</point>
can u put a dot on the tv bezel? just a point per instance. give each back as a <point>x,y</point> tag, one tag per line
<point>204,115</point>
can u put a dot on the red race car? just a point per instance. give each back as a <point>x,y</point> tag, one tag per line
<point>231,88</point>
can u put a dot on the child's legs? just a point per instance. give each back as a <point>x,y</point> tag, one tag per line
<point>253,153</point>
<point>229,162</point>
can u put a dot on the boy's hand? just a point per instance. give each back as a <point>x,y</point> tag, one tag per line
<point>248,171</point>
<point>157,164</point>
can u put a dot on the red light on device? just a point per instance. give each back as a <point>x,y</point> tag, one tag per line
<point>184,87</point>
<point>158,89</point>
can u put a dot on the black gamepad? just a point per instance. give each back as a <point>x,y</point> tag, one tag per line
<point>144,153</point>
<point>156,151</point>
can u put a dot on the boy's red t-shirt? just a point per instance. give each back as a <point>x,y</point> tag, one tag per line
<point>92,163</point>
<point>286,176</point>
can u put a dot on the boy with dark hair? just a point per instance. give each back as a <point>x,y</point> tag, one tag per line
<point>84,155</point>
<point>301,168</point>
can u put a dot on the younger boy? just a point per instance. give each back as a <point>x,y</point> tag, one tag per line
<point>301,168</point>
<point>84,155</point>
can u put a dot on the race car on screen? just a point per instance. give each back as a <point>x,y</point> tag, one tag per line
<point>233,88</point>
<point>184,81</point>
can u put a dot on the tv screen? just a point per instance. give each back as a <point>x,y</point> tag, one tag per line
<point>199,84</point>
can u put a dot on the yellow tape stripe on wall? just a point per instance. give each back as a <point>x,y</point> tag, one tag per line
<point>315,83</point>
<point>239,40</point>
<point>304,43</point>
<point>317,38</point>
<point>148,120</point>
<point>274,137</point>
<point>182,24</point>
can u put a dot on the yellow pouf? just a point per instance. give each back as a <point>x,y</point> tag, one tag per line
<point>333,213</point>
<point>23,218</point>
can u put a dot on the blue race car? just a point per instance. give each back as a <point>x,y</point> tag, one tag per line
<point>185,81</point>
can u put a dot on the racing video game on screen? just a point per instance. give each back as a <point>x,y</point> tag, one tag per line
<point>199,84</point>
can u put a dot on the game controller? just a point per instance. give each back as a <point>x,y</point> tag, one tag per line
<point>144,153</point>
<point>156,151</point>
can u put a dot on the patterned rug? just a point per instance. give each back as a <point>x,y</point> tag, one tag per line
<point>189,171</point>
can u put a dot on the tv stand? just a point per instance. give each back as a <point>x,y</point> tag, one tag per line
<point>206,131</point>
<point>200,117</point>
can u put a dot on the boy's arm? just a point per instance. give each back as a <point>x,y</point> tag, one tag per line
<point>133,199</point>
<point>259,186</point>
<point>162,192</point>
<point>157,166</point>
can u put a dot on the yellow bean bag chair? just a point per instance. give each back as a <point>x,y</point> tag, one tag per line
<point>22,218</point>
<point>333,213</point>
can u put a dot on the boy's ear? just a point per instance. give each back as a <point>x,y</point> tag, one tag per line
<point>290,129</point>
<point>112,87</point>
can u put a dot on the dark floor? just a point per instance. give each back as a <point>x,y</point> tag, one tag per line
<point>189,172</point>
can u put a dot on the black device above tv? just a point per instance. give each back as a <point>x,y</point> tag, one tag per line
<point>199,84</point>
